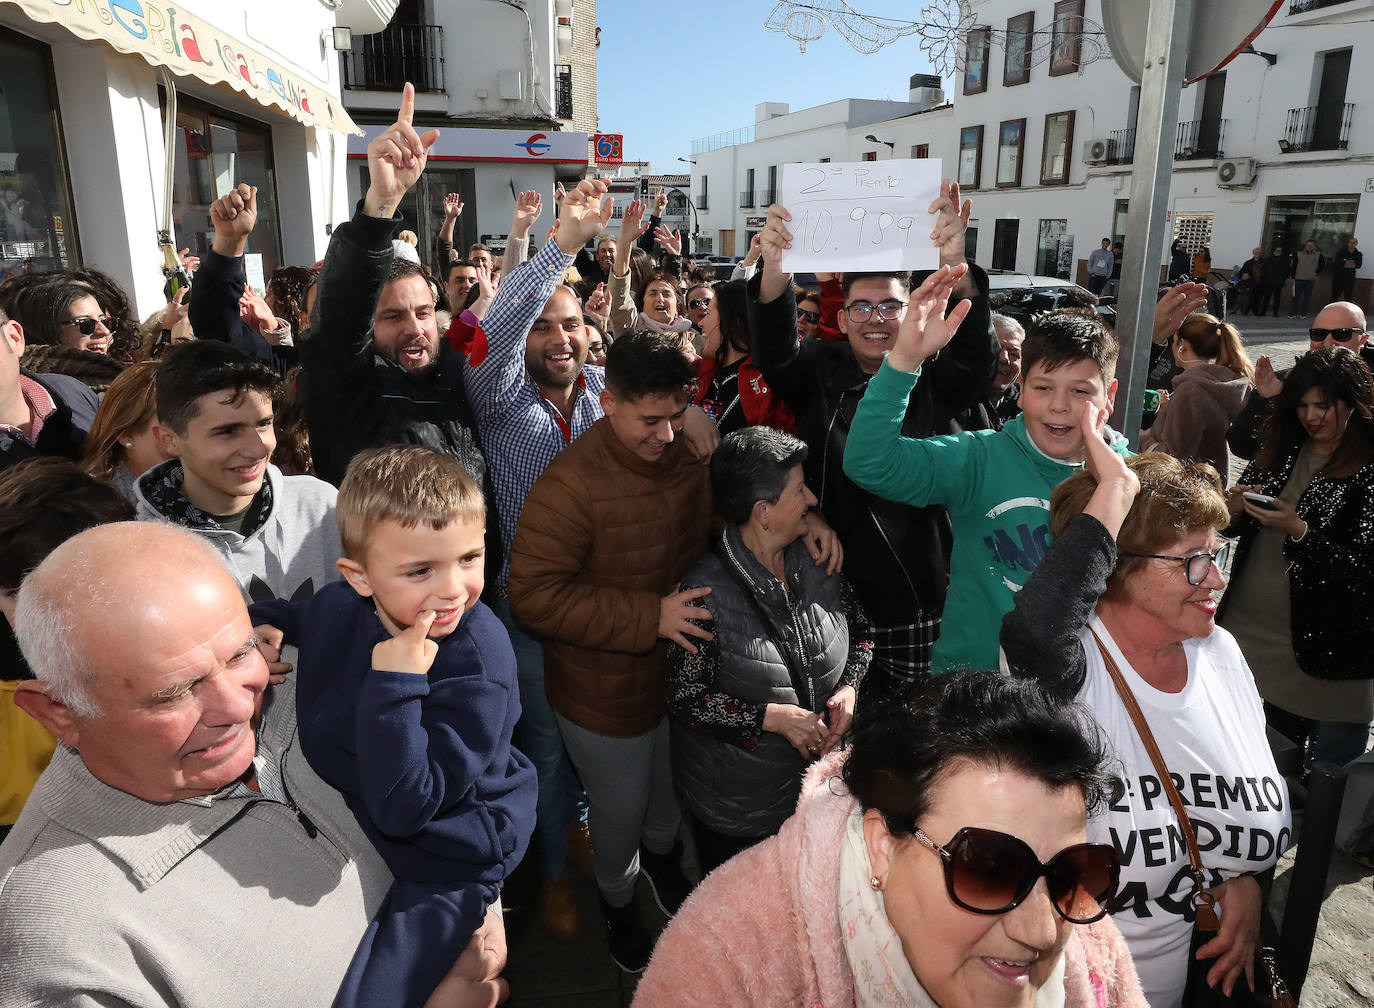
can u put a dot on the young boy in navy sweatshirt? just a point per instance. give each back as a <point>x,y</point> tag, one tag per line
<point>406,700</point>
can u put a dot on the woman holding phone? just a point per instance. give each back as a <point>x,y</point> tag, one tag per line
<point>1301,602</point>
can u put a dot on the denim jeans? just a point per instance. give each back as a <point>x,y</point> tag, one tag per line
<point>1302,296</point>
<point>561,799</point>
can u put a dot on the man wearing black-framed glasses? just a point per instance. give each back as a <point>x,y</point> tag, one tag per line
<point>1339,324</point>
<point>897,555</point>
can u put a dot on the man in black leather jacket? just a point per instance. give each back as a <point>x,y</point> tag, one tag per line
<point>377,371</point>
<point>896,556</point>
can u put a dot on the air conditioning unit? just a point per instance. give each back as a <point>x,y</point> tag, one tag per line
<point>1236,172</point>
<point>1097,151</point>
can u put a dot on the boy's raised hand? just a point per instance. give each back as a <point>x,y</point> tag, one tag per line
<point>926,328</point>
<point>410,651</point>
<point>1117,486</point>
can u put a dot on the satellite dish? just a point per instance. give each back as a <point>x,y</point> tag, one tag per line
<point>1220,30</point>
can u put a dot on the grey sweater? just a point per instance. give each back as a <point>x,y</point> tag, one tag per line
<point>290,552</point>
<point>108,900</point>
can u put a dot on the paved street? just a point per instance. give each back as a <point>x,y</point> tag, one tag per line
<point>547,974</point>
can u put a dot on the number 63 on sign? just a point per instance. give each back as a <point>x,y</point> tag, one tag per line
<point>863,216</point>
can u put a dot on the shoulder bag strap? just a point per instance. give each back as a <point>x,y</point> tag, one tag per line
<point>1203,901</point>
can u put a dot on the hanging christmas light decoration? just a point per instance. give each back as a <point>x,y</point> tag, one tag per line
<point>807,22</point>
<point>943,31</point>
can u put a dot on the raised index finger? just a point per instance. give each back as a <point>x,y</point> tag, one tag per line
<point>407,112</point>
<point>419,630</point>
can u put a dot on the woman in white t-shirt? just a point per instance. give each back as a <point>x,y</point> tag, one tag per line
<point>1135,559</point>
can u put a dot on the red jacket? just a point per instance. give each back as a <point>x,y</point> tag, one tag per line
<point>761,407</point>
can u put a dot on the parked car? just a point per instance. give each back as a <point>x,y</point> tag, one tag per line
<point>1022,296</point>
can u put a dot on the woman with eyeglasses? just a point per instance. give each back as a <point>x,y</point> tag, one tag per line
<point>942,859</point>
<point>808,313</point>
<point>66,332</point>
<point>699,298</point>
<point>1301,601</point>
<point>61,312</point>
<point>729,388</point>
<point>1130,583</point>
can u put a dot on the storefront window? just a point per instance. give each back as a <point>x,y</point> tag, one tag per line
<point>214,154</point>
<point>1326,220</point>
<point>36,228</point>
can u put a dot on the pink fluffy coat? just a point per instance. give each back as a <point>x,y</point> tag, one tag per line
<point>763,930</point>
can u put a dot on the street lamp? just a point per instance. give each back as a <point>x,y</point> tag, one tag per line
<point>696,221</point>
<point>892,147</point>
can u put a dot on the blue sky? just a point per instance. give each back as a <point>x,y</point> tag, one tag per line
<point>667,75</point>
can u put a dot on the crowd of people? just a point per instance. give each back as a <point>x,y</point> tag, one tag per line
<point>327,609</point>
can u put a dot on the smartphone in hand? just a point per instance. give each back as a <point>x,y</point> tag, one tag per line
<point>1261,500</point>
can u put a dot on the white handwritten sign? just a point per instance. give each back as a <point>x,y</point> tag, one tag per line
<point>860,216</point>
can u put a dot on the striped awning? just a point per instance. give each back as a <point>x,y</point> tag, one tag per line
<point>174,38</point>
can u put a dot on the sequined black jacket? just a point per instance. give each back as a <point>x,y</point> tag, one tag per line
<point>1330,570</point>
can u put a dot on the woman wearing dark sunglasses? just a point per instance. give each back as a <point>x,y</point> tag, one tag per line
<point>1130,582</point>
<point>1302,595</point>
<point>942,859</point>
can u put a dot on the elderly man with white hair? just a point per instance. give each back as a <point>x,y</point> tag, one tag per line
<point>178,850</point>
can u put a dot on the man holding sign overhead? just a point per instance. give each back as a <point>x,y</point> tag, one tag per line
<point>888,219</point>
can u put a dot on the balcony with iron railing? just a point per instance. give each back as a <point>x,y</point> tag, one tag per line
<point>1201,138</point>
<point>767,197</point>
<point>702,203</point>
<point>1318,128</point>
<point>746,200</point>
<point>563,78</point>
<point>398,53</point>
<point>1121,146</point>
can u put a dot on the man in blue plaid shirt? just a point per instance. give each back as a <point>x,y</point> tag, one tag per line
<point>532,393</point>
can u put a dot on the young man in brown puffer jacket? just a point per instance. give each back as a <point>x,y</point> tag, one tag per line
<point>604,538</point>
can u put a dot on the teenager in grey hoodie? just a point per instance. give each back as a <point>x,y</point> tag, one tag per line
<point>276,533</point>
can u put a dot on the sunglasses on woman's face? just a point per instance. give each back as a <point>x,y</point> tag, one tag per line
<point>987,872</point>
<point>814,317</point>
<point>698,303</point>
<point>86,326</point>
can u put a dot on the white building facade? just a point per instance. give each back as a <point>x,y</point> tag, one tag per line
<point>504,82</point>
<point>83,102</point>
<point>1276,148</point>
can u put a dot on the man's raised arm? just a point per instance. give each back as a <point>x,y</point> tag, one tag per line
<point>491,384</point>
<point>214,308</point>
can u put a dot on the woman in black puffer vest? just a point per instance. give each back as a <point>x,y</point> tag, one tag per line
<point>775,688</point>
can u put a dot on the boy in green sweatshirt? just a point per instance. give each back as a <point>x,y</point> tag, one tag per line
<point>995,484</point>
